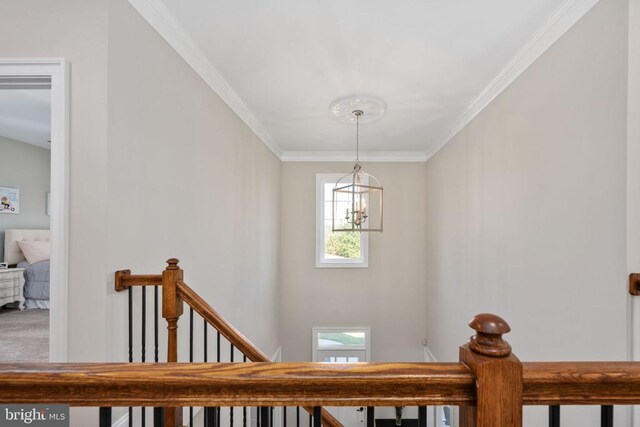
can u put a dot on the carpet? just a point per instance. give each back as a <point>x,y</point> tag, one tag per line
<point>24,335</point>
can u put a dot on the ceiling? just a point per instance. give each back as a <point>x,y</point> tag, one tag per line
<point>25,115</point>
<point>436,63</point>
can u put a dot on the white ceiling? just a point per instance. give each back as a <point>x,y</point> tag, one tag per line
<point>25,115</point>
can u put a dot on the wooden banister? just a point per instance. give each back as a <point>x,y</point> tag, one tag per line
<point>581,383</point>
<point>308,384</point>
<point>234,336</point>
<point>240,384</point>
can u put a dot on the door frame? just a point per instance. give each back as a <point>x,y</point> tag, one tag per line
<point>58,70</point>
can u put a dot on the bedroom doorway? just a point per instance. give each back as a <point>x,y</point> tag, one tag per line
<point>34,123</point>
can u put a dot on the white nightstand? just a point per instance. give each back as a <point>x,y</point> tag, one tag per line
<point>11,285</point>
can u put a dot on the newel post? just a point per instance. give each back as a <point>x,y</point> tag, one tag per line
<point>171,310</point>
<point>498,375</point>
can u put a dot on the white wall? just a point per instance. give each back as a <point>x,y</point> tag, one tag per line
<point>187,179</point>
<point>389,295</point>
<point>526,207</point>
<point>27,168</point>
<point>147,136</point>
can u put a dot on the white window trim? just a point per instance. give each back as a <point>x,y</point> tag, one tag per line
<point>316,330</point>
<point>321,262</point>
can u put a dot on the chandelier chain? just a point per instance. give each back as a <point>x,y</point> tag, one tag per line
<point>357,138</point>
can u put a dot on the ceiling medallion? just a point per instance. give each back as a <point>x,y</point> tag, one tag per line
<point>372,109</point>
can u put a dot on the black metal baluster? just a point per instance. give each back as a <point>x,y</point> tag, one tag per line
<point>297,416</point>
<point>105,417</point>
<point>218,410</point>
<point>130,343</point>
<point>158,417</point>
<point>211,417</point>
<point>244,408</point>
<point>317,416</point>
<point>554,416</point>
<point>284,416</point>
<point>143,350</point>
<point>190,356</point>
<point>265,417</point>
<point>155,324</point>
<point>158,413</point>
<point>422,416</point>
<point>271,416</point>
<point>231,351</point>
<point>258,416</point>
<point>371,417</point>
<point>206,350</point>
<point>606,416</point>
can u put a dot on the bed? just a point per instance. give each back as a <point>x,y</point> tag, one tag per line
<point>36,275</point>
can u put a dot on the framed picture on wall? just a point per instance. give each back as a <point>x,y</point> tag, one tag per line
<point>9,200</point>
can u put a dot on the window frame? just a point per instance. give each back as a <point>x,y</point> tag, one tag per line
<point>317,330</point>
<point>321,261</point>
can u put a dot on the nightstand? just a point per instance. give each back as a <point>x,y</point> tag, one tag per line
<point>11,285</point>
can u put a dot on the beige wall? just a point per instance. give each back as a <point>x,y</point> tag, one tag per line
<point>187,179</point>
<point>389,296</point>
<point>27,168</point>
<point>168,170</point>
<point>526,206</point>
<point>76,30</point>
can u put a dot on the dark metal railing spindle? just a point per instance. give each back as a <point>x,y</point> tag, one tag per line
<point>606,416</point>
<point>191,356</point>
<point>371,417</point>
<point>130,292</point>
<point>554,416</point>
<point>105,417</point>
<point>297,416</point>
<point>143,349</point>
<point>218,356</point>
<point>158,413</point>
<point>317,416</point>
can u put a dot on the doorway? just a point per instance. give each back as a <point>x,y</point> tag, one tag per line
<point>30,74</point>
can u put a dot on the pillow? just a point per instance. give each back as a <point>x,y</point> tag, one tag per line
<point>35,250</point>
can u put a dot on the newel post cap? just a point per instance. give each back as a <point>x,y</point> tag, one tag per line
<point>488,338</point>
<point>172,264</point>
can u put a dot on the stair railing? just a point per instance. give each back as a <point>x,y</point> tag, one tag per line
<point>175,292</point>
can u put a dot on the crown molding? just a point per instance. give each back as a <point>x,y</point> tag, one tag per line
<point>567,14</point>
<point>350,156</point>
<point>157,15</point>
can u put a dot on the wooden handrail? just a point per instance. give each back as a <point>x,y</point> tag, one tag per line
<point>581,383</point>
<point>124,279</point>
<point>225,328</point>
<point>306,384</point>
<point>239,384</point>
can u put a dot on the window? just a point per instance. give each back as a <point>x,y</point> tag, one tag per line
<point>339,249</point>
<point>341,345</point>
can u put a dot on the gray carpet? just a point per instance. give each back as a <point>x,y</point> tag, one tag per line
<point>24,335</point>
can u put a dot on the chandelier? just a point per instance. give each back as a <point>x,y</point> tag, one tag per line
<point>357,196</point>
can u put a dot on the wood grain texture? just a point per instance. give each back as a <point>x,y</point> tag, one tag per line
<point>581,383</point>
<point>124,279</point>
<point>238,384</point>
<point>498,390</point>
<point>498,375</point>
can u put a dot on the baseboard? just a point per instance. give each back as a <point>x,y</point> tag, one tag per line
<point>277,356</point>
<point>122,421</point>
<point>428,355</point>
